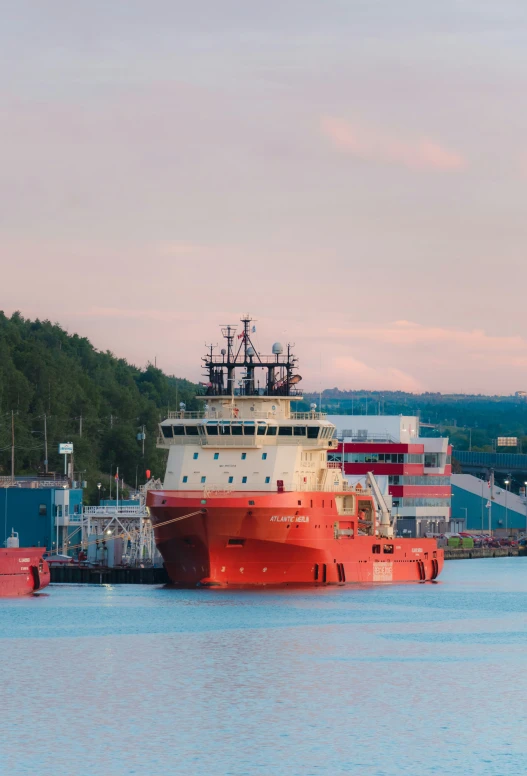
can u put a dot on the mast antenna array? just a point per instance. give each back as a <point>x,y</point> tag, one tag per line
<point>243,355</point>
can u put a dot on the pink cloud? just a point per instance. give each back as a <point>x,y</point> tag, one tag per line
<point>378,146</point>
<point>474,343</point>
<point>349,372</point>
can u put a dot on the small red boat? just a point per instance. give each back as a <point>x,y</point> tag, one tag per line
<point>23,570</point>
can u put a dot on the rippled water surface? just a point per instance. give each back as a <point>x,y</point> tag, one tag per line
<point>376,681</point>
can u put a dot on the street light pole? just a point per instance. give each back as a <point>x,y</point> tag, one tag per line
<point>465,510</point>
<point>45,443</point>
<point>507,483</point>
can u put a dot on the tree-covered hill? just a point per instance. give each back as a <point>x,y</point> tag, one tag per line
<point>90,398</point>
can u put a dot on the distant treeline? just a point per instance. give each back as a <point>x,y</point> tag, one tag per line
<point>474,421</point>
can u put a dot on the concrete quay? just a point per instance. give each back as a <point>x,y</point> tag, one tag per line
<point>454,553</point>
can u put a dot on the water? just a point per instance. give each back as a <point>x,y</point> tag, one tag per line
<point>378,681</point>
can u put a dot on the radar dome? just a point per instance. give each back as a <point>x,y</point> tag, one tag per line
<point>250,351</point>
<point>277,348</point>
<point>313,406</point>
<point>223,352</point>
<point>182,405</point>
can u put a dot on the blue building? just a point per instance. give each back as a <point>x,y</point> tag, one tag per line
<point>43,513</point>
<point>471,501</point>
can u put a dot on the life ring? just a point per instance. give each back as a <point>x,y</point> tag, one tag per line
<point>235,412</point>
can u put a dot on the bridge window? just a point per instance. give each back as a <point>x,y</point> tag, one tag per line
<point>312,432</point>
<point>167,431</point>
<point>271,430</point>
<point>225,429</point>
<point>212,429</point>
<point>300,431</point>
<point>262,428</point>
<point>285,431</point>
<point>179,430</point>
<point>248,428</point>
<point>237,429</point>
<point>192,431</point>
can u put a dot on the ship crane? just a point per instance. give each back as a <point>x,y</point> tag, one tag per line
<point>385,523</point>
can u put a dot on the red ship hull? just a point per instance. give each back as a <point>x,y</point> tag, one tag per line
<point>23,571</point>
<point>245,539</point>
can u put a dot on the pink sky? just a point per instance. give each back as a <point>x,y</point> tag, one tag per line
<point>352,175</point>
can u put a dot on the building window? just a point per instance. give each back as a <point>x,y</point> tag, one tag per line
<point>267,480</point>
<point>204,479</point>
<point>244,456</point>
<point>231,479</point>
<point>431,460</point>
<point>244,479</point>
<point>216,456</point>
<point>335,457</point>
<point>414,458</point>
<point>42,510</point>
<point>185,478</point>
<point>264,456</point>
<point>195,456</point>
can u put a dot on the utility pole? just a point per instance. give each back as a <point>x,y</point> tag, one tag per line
<point>45,443</point>
<point>111,421</point>
<point>12,446</point>
<point>143,435</point>
<point>80,426</point>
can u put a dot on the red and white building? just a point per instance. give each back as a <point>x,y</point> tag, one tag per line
<point>413,472</point>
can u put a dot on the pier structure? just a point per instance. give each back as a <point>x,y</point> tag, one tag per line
<point>118,535</point>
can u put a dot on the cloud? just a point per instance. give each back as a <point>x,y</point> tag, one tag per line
<point>180,249</point>
<point>377,146</point>
<point>349,372</point>
<point>164,316</point>
<point>408,333</point>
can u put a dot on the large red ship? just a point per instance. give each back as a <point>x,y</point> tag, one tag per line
<point>249,497</point>
<point>23,570</point>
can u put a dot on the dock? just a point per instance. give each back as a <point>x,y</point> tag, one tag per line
<point>102,575</point>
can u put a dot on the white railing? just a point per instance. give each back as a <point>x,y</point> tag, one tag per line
<point>308,415</point>
<point>103,511</point>
<point>32,483</point>
<point>227,413</point>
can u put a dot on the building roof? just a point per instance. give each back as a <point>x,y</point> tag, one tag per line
<point>480,488</point>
